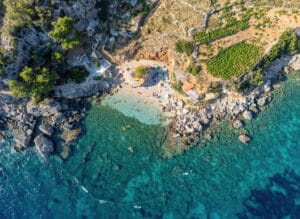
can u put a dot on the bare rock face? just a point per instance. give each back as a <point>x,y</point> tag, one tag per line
<point>44,145</point>
<point>85,89</point>
<point>51,108</point>
<point>22,140</point>
<point>244,138</point>
<point>295,63</point>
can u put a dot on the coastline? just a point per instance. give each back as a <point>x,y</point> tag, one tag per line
<point>185,123</point>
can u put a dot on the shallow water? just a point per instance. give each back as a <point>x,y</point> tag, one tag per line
<point>115,171</point>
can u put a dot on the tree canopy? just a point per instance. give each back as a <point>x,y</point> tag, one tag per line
<point>35,83</point>
<point>140,72</point>
<point>63,33</point>
<point>23,14</point>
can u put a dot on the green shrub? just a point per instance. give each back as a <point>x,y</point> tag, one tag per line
<point>63,33</point>
<point>57,56</point>
<point>177,85</point>
<point>35,83</point>
<point>193,69</point>
<point>78,74</point>
<point>22,14</point>
<point>234,60</point>
<point>257,78</point>
<point>97,64</point>
<point>186,47</point>
<point>140,72</point>
<point>242,86</point>
<point>287,44</point>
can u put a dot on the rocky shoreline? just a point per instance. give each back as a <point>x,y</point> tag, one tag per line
<point>30,124</point>
<point>189,123</point>
<point>27,123</point>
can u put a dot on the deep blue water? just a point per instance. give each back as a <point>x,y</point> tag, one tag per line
<point>114,173</point>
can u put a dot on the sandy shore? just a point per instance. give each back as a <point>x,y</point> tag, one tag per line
<point>146,103</point>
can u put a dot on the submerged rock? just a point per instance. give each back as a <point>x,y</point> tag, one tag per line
<point>44,145</point>
<point>65,152</point>
<point>70,135</point>
<point>244,138</point>
<point>237,124</point>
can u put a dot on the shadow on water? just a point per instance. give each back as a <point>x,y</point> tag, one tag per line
<point>279,199</point>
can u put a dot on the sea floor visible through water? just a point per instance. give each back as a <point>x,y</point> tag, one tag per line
<point>116,171</point>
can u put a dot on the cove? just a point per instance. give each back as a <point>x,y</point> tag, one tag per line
<point>119,173</point>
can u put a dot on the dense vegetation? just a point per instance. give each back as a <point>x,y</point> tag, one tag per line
<point>78,74</point>
<point>186,47</point>
<point>234,60</point>
<point>177,84</point>
<point>253,79</point>
<point>193,69</point>
<point>63,33</point>
<point>204,37</point>
<point>287,44</point>
<point>140,72</point>
<point>36,83</point>
<point>24,14</point>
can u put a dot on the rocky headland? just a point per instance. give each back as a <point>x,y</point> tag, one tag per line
<point>189,124</point>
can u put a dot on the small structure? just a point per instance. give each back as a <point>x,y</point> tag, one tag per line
<point>188,89</point>
<point>193,95</point>
<point>95,64</point>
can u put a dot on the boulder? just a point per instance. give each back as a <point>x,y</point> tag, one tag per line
<point>237,124</point>
<point>52,107</point>
<point>244,138</point>
<point>44,145</point>
<point>58,118</point>
<point>253,108</point>
<point>262,101</point>
<point>22,139</point>
<point>180,104</point>
<point>295,62</point>
<point>84,89</point>
<point>247,115</point>
<point>197,126</point>
<point>267,86</point>
<point>46,129</point>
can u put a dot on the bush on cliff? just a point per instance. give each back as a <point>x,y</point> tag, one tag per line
<point>186,47</point>
<point>78,74</point>
<point>35,83</point>
<point>63,33</point>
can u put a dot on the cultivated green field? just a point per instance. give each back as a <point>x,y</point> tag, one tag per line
<point>234,60</point>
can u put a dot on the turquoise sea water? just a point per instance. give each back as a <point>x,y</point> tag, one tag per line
<point>114,173</point>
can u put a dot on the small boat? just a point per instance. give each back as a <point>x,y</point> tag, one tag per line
<point>84,189</point>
